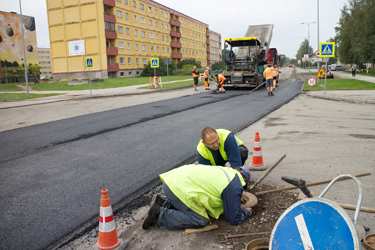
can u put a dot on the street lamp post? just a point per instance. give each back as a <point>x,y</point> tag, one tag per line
<point>24,52</point>
<point>308,45</point>
<point>304,38</point>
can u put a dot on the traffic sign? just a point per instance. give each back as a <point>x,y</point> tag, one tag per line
<point>311,82</point>
<point>314,223</point>
<point>89,63</point>
<point>327,49</point>
<point>316,53</point>
<point>321,73</point>
<point>154,62</point>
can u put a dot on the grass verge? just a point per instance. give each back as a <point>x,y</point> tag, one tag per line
<point>174,84</point>
<point>10,87</point>
<point>341,84</point>
<point>22,96</point>
<point>106,84</point>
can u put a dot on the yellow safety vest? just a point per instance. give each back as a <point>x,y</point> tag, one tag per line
<point>199,187</point>
<point>206,153</point>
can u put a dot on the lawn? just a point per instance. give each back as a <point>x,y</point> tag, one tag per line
<point>106,84</point>
<point>371,72</point>
<point>22,96</point>
<point>341,84</point>
<point>174,84</point>
<point>9,87</point>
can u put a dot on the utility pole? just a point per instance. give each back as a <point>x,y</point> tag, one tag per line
<point>308,45</point>
<point>24,53</point>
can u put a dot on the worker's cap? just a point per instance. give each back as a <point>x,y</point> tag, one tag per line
<point>245,173</point>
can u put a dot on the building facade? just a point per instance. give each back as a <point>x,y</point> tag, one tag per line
<point>215,47</point>
<point>120,36</point>
<point>44,62</point>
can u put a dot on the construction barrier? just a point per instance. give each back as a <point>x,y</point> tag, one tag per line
<point>155,81</point>
<point>107,226</point>
<point>257,163</point>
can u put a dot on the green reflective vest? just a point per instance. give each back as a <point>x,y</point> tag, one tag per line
<point>206,153</point>
<point>199,187</point>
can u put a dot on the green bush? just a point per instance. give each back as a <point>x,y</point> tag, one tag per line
<point>190,61</point>
<point>161,71</point>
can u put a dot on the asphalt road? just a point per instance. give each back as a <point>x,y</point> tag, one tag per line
<point>52,173</point>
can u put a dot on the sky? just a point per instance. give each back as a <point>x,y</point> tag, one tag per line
<point>232,18</point>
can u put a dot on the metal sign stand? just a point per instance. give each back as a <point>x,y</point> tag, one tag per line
<point>90,81</point>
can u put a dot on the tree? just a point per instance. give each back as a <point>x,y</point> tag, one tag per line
<point>218,66</point>
<point>191,61</point>
<point>15,64</point>
<point>161,71</point>
<point>304,49</point>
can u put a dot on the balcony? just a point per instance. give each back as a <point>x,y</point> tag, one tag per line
<point>112,51</point>
<point>109,17</point>
<point>208,41</point>
<point>113,67</point>
<point>109,2</point>
<point>176,45</point>
<point>208,50</point>
<point>110,34</point>
<point>207,34</point>
<point>176,55</point>
<point>208,58</point>
<point>175,33</point>
<point>175,23</point>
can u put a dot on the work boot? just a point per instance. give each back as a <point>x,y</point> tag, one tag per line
<point>269,93</point>
<point>153,212</point>
<point>195,89</point>
<point>272,94</point>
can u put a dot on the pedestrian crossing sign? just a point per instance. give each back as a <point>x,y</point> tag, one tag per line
<point>154,62</point>
<point>321,73</point>
<point>327,49</point>
<point>89,63</point>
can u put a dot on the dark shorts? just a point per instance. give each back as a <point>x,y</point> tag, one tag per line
<point>195,80</point>
<point>274,77</point>
<point>269,83</point>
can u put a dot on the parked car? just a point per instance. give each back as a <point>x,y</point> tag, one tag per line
<point>340,68</point>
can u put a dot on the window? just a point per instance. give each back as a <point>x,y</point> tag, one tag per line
<point>195,26</point>
<point>156,11</point>
<point>143,34</point>
<point>128,45</point>
<point>156,24</point>
<point>192,43</point>
<point>127,31</point>
<point>136,46</point>
<point>151,35</point>
<point>149,9</point>
<point>162,26</point>
<point>130,73</point>
<point>119,1</point>
<point>144,60</point>
<point>157,48</point>
<point>193,53</point>
<point>151,48</point>
<point>161,13</point>
<point>119,28</point>
<point>182,51</point>
<point>144,47</point>
<point>141,6</point>
<point>192,25</point>
<point>135,18</point>
<point>119,13</point>
<point>134,4</point>
<point>121,45</point>
<point>109,26</point>
<point>42,52</point>
<point>157,36</point>
<point>122,74</point>
<point>150,22</point>
<point>166,15</point>
<point>166,26</point>
<point>135,32</point>
<point>142,20</point>
<point>167,38</point>
<point>137,60</point>
<point>182,41</point>
<point>126,15</point>
<point>162,37</point>
<point>196,35</point>
<point>163,49</point>
<point>126,1</point>
<point>137,73</point>
<point>129,60</point>
<point>181,21</point>
<point>122,60</point>
<point>167,50</point>
<point>184,21</point>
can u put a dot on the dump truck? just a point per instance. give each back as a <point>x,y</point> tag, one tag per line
<point>245,57</point>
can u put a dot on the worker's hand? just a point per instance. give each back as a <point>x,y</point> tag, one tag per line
<point>249,209</point>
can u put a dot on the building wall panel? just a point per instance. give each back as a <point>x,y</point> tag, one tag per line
<point>55,17</point>
<point>73,31</point>
<point>71,15</point>
<point>89,29</point>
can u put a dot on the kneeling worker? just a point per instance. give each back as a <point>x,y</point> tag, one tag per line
<point>217,147</point>
<point>220,82</point>
<point>195,192</point>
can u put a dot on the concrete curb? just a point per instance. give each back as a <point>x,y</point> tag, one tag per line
<point>339,98</point>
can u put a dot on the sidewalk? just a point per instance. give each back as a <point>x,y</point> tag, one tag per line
<point>353,96</point>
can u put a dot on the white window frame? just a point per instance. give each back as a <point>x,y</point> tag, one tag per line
<point>151,35</point>
<point>163,50</point>
<point>149,9</point>
<point>120,29</point>
<point>157,36</point>
<point>142,20</point>
<point>136,46</point>
<point>119,13</point>
<point>156,11</point>
<point>136,60</point>
<point>162,25</point>
<point>135,32</point>
<point>152,48</point>
<point>127,31</point>
<point>150,22</point>
<point>135,18</point>
<point>166,26</point>
<point>167,38</point>
<point>143,33</point>
<point>166,15</point>
<point>134,4</point>
<point>144,61</point>
<point>128,45</point>
<point>143,47</point>
<point>141,6</point>
<point>167,49</point>
<point>122,60</point>
<point>126,15</point>
<point>129,60</point>
<point>120,45</point>
<point>157,48</point>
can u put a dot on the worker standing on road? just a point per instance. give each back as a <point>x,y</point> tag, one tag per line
<point>219,146</point>
<point>269,79</point>
<point>195,77</point>
<point>205,76</point>
<point>195,192</point>
<point>275,76</point>
<point>353,70</point>
<point>220,82</point>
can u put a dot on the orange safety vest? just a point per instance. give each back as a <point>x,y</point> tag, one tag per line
<point>221,78</point>
<point>274,71</point>
<point>268,73</point>
<point>205,75</point>
<point>195,73</point>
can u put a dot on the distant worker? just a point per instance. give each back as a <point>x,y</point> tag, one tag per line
<point>195,77</point>
<point>269,79</point>
<point>275,76</point>
<point>205,76</point>
<point>195,192</point>
<point>219,146</point>
<point>220,82</point>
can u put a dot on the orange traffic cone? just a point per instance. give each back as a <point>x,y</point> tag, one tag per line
<point>107,226</point>
<point>257,163</point>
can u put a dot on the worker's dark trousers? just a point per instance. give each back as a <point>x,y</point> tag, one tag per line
<point>176,215</point>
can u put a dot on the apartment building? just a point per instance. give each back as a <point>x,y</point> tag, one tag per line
<point>120,36</point>
<point>45,66</point>
<point>215,47</point>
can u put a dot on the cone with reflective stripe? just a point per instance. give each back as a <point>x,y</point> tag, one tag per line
<point>257,163</point>
<point>107,226</point>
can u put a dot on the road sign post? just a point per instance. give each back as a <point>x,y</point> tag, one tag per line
<point>154,62</point>
<point>166,62</point>
<point>327,50</point>
<point>89,65</point>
